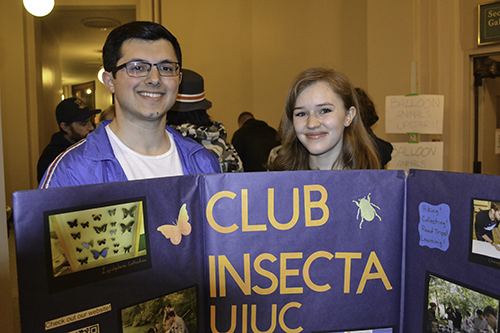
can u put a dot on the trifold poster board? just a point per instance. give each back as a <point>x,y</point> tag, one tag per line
<point>308,251</point>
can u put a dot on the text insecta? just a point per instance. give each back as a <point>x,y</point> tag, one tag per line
<point>365,207</point>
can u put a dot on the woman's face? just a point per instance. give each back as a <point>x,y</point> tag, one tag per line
<point>319,118</point>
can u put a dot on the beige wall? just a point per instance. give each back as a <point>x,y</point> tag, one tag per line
<point>249,52</point>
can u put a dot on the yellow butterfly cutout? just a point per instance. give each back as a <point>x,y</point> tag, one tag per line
<point>180,227</point>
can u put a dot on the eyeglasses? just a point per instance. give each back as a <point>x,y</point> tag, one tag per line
<point>141,69</point>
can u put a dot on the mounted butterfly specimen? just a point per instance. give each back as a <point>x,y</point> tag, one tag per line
<point>127,248</point>
<point>88,245</point>
<point>113,232</point>
<point>113,224</point>
<point>73,224</point>
<point>180,227</point>
<point>101,228</point>
<point>115,251</point>
<point>76,236</point>
<point>103,253</point>
<point>96,217</point>
<point>127,212</point>
<point>101,242</point>
<point>85,224</point>
<point>78,249</point>
<point>112,212</point>
<point>84,261</point>
<point>116,245</point>
<point>127,227</point>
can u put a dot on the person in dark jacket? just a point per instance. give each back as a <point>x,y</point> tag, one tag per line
<point>75,122</point>
<point>369,117</point>
<point>253,142</point>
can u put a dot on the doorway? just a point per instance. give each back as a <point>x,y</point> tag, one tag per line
<point>487,114</point>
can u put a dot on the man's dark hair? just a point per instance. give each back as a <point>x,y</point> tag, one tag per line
<point>170,314</point>
<point>143,30</point>
<point>489,310</point>
<point>479,312</point>
<point>495,205</point>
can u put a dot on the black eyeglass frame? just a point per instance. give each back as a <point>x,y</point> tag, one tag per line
<point>124,65</point>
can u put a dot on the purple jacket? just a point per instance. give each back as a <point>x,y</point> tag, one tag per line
<point>92,161</point>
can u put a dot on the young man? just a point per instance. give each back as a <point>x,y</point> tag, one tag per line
<point>142,62</point>
<point>486,222</point>
<point>75,123</point>
<point>490,315</point>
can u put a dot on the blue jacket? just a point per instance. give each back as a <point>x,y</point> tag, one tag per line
<point>92,161</point>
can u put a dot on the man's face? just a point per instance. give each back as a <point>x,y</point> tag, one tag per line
<point>78,130</point>
<point>496,214</point>
<point>149,97</point>
<point>492,321</point>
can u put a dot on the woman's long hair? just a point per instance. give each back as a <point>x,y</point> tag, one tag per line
<point>358,149</point>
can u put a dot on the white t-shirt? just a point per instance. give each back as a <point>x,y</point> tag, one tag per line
<point>138,166</point>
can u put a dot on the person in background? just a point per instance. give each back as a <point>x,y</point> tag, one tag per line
<point>189,117</point>
<point>142,63</point>
<point>490,314</point>
<point>75,123</point>
<point>321,128</point>
<point>253,141</point>
<point>487,221</point>
<point>107,114</point>
<point>369,117</point>
<point>479,323</point>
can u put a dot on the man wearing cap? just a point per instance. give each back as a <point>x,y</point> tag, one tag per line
<point>189,117</point>
<point>75,122</point>
<point>142,63</point>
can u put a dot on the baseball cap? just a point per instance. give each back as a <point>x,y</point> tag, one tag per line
<point>73,109</point>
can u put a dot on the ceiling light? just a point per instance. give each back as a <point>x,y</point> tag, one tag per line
<point>102,23</point>
<point>39,7</point>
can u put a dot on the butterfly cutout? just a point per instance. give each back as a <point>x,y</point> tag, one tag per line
<point>101,228</point>
<point>113,239</point>
<point>113,232</point>
<point>112,212</point>
<point>180,227</point>
<point>84,261</point>
<point>96,217</point>
<point>101,242</point>
<point>103,253</point>
<point>116,245</point>
<point>85,225</point>
<point>115,251</point>
<point>73,224</point>
<point>78,249</point>
<point>88,245</point>
<point>113,224</point>
<point>127,227</point>
<point>76,236</point>
<point>130,212</point>
<point>127,248</point>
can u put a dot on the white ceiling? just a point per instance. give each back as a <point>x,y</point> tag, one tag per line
<point>81,46</point>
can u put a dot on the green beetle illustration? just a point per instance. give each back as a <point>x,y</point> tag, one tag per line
<point>367,210</point>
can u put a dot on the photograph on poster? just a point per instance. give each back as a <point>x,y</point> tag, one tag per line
<point>93,238</point>
<point>484,233</point>
<point>374,330</point>
<point>175,312</point>
<point>453,307</point>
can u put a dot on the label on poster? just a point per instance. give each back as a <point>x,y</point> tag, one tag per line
<point>421,114</point>
<point>77,317</point>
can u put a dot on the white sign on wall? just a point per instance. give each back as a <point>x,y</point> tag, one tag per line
<point>423,155</point>
<point>421,114</point>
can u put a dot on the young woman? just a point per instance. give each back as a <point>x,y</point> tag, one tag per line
<point>321,128</point>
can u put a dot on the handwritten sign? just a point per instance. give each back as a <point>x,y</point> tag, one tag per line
<point>423,155</point>
<point>434,226</point>
<point>414,114</point>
